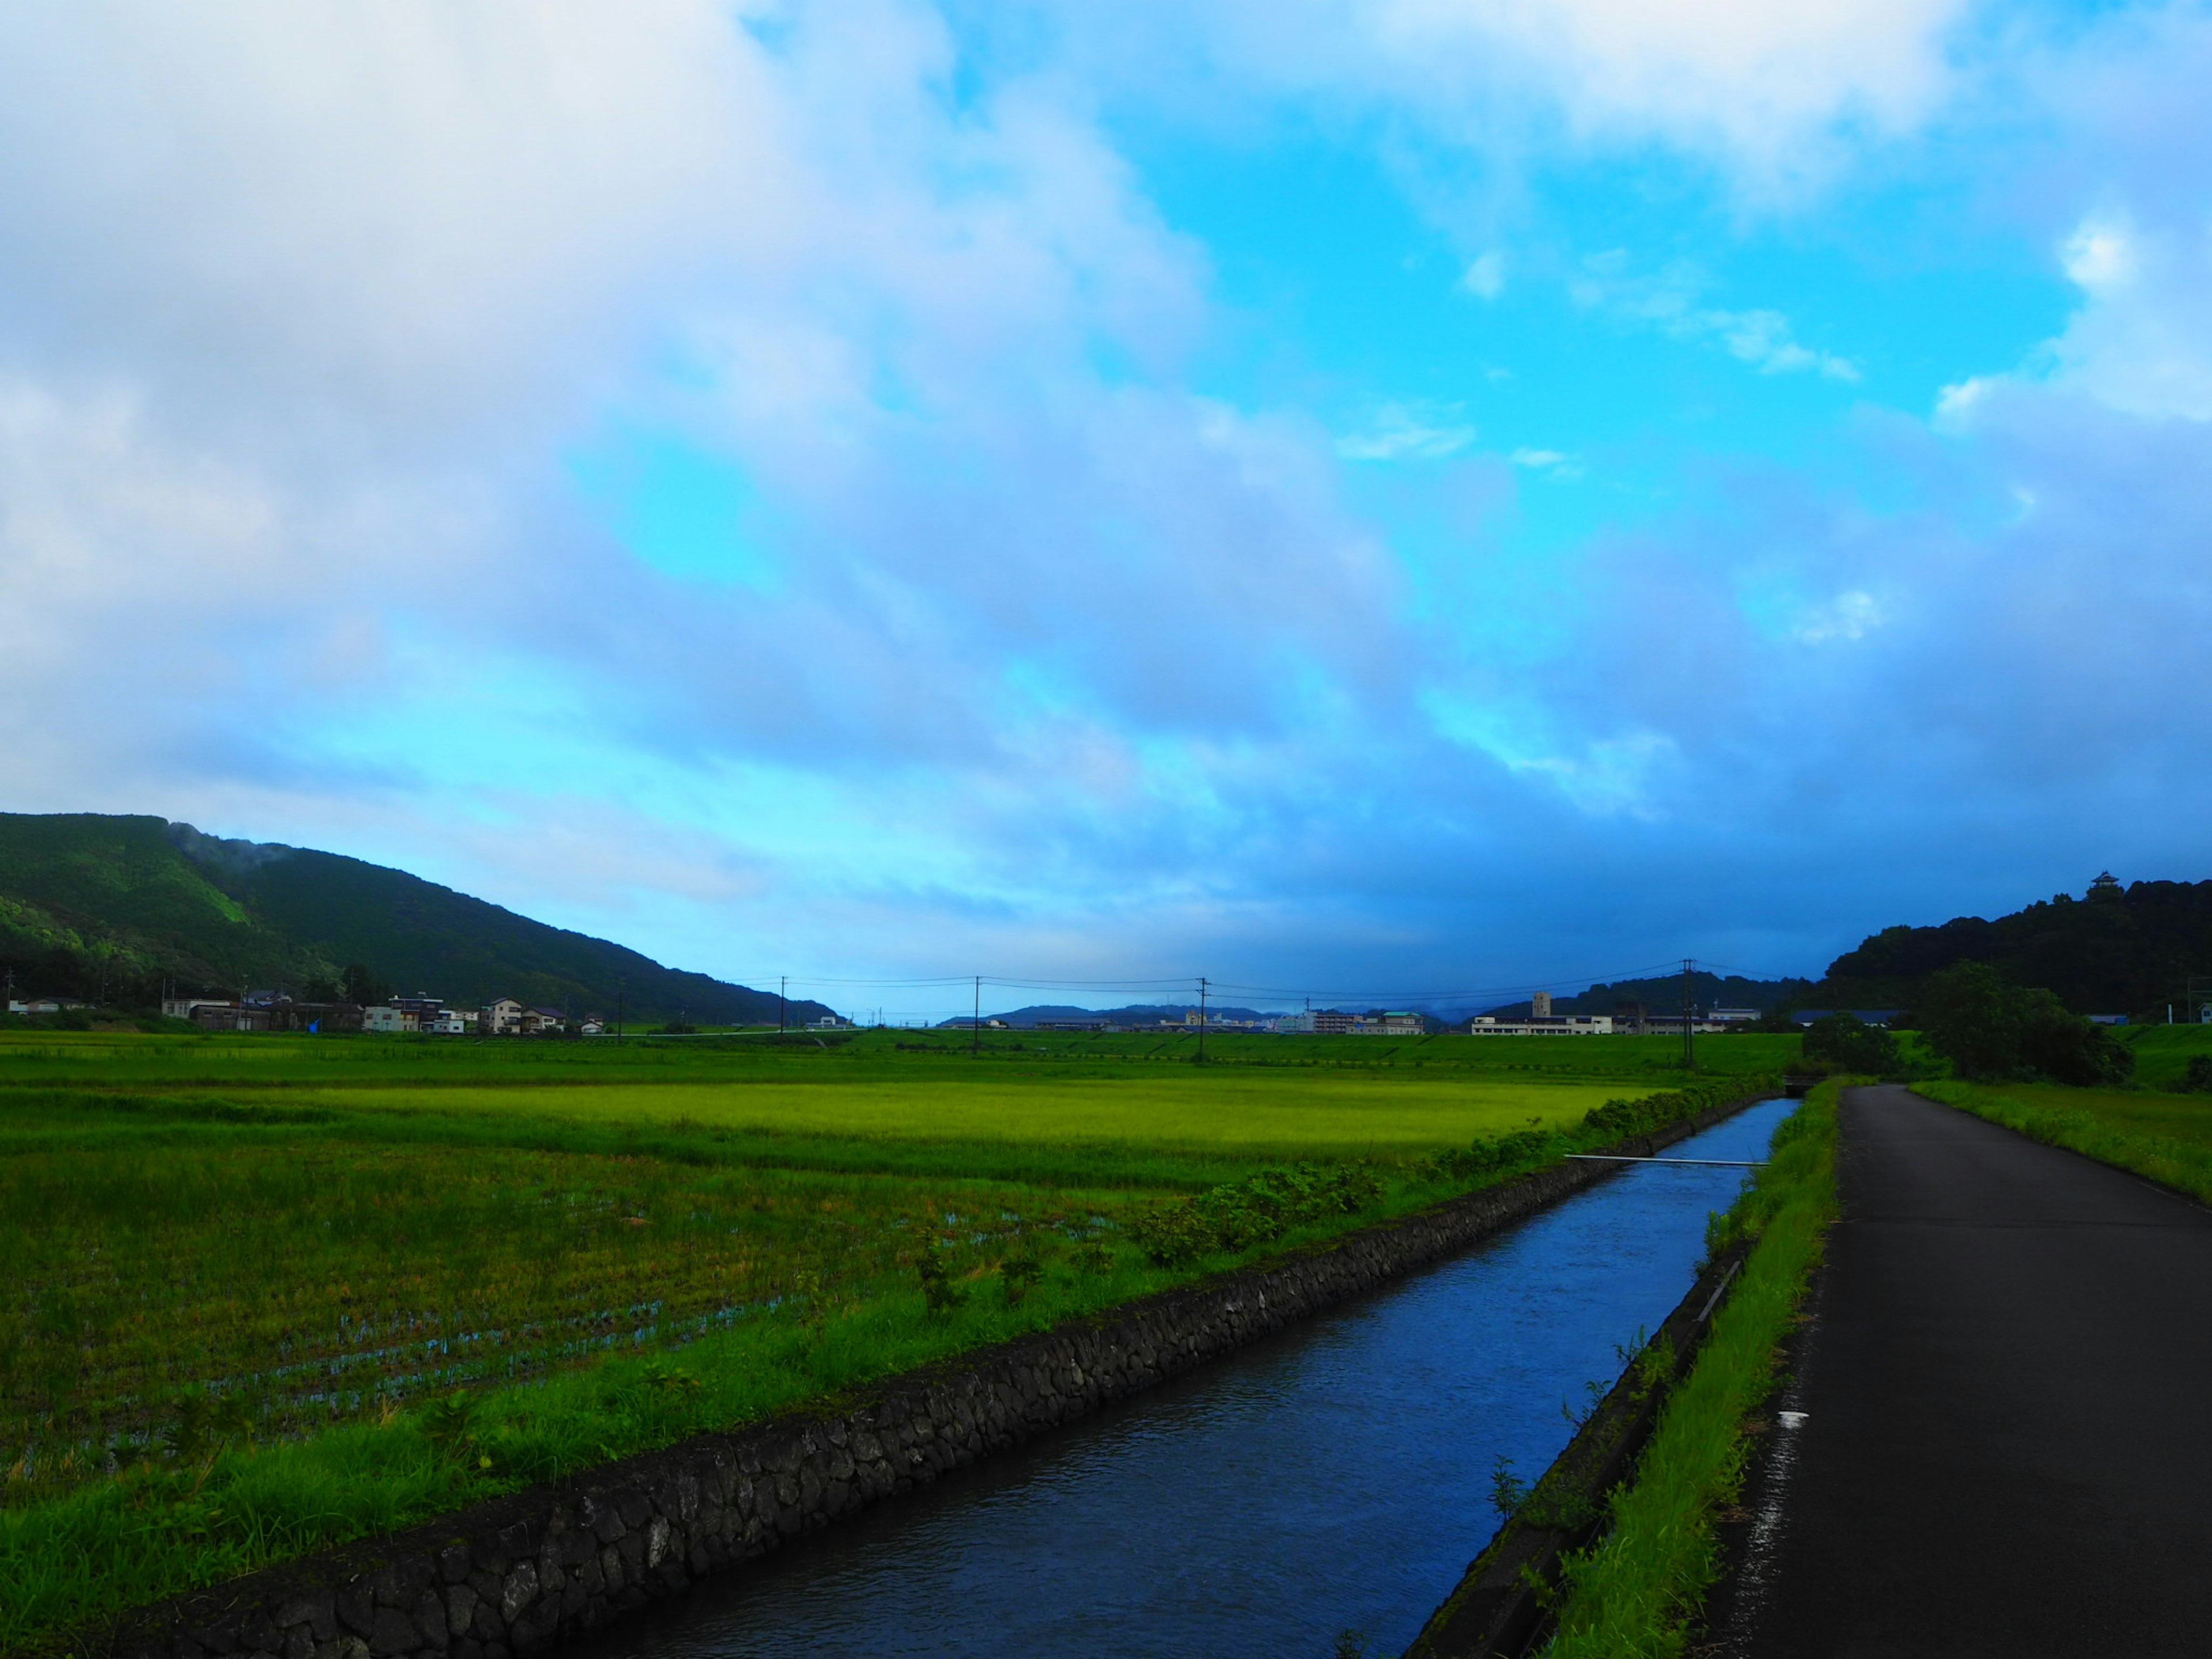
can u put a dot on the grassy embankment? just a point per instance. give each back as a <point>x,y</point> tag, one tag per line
<point>240,1279</point>
<point>1637,1593</point>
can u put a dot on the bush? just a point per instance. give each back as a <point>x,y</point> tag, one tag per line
<point>1258,1209</point>
<point>1850,1044</point>
<point>2197,1080</point>
<point>1992,1032</point>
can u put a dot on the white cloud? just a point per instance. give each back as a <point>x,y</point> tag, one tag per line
<point>2099,254</point>
<point>2142,340</point>
<point>1670,301</point>
<point>1848,616</point>
<point>1485,276</point>
<point>1771,88</point>
<point>1556,462</point>
<point>1410,432</point>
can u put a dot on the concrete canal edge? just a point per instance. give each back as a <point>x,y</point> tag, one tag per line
<point>519,1574</point>
<point>1499,1608</point>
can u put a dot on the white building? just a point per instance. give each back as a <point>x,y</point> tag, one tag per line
<point>1552,1025</point>
<point>387,1021</point>
<point>181,1007</point>
<point>1398,1024</point>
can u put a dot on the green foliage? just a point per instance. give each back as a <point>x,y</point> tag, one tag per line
<point>1259,1210</point>
<point>2117,950</point>
<point>131,901</point>
<point>1848,1043</point>
<point>2196,1077</point>
<point>1990,1032</point>
<point>1635,1594</point>
<point>1508,1491</point>
<point>361,985</point>
<point>200,1423</point>
<point>452,1423</point>
<point>942,1292</point>
<point>1019,1274</point>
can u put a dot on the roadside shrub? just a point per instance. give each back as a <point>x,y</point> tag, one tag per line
<point>2197,1080</point>
<point>1494,1152</point>
<point>1258,1209</point>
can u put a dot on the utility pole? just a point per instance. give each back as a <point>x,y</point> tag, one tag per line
<point>1689,1020</point>
<point>782,981</point>
<point>622,984</point>
<point>975,1025</point>
<point>1201,1018</point>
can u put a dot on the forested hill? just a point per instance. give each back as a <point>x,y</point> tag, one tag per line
<point>2116,950</point>
<point>92,903</point>
<point>1663,995</point>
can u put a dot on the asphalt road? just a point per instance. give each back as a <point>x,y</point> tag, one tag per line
<point>2006,1441</point>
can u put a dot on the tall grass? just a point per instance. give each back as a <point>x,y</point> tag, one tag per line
<point>1636,1594</point>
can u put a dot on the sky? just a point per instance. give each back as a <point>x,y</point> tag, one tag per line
<point>1420,497</point>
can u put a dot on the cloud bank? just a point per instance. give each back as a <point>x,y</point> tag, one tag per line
<point>777,483</point>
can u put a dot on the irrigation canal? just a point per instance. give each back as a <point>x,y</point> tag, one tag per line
<point>1336,1476</point>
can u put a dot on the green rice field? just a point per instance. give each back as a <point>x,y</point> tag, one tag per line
<point>262,1294</point>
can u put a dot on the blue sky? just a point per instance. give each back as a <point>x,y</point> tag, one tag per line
<point>1421,495</point>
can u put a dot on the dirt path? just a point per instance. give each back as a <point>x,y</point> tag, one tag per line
<point>2006,1447</point>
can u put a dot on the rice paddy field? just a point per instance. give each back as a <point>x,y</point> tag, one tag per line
<point>261,1294</point>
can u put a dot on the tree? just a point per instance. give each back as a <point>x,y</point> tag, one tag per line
<point>363,987</point>
<point>2061,1045</point>
<point>1990,1032</point>
<point>1968,1015</point>
<point>1850,1044</point>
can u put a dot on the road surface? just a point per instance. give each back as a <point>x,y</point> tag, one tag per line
<point>2007,1440</point>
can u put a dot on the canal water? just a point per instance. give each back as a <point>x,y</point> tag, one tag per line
<point>1335,1477</point>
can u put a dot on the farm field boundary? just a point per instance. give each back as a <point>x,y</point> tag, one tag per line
<point>517,1574</point>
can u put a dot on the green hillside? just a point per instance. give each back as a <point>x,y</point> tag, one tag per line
<point>109,907</point>
<point>2116,950</point>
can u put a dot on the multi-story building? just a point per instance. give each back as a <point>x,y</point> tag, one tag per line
<point>1397,1023</point>
<point>1550,1025</point>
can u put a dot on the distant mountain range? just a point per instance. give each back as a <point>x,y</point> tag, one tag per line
<point>112,907</point>
<point>93,905</point>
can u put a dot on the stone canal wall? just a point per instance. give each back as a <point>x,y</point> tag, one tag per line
<point>517,1575</point>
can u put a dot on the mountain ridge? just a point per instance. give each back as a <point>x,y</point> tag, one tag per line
<point>111,905</point>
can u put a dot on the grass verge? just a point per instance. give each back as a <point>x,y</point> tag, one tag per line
<point>1636,1592</point>
<point>2166,1138</point>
